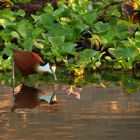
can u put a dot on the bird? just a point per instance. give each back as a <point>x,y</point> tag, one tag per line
<point>28,62</point>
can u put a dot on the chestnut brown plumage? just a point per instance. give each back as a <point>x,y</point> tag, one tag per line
<point>29,63</point>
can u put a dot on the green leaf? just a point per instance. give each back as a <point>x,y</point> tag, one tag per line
<point>137,36</point>
<point>138,44</point>
<point>38,45</point>
<point>7,23</point>
<point>8,14</point>
<point>15,34</point>
<point>111,34</point>
<point>90,17</point>
<point>8,50</point>
<point>56,41</point>
<point>27,44</point>
<point>46,20</point>
<point>20,13</point>
<point>69,48</point>
<point>101,27</point>
<point>113,10</point>
<point>6,63</point>
<point>89,53</point>
<point>124,52</point>
<point>5,35</point>
<point>2,22</point>
<point>35,18</point>
<point>57,13</point>
<point>25,28</point>
<point>36,32</point>
<point>48,9</point>
<point>122,27</point>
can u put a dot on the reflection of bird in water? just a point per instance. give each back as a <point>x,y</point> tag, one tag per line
<point>29,63</point>
<point>30,97</point>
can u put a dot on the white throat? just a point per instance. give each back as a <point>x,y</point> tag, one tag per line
<point>45,68</point>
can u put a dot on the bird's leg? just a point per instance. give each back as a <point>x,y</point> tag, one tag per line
<point>13,86</point>
<point>13,79</point>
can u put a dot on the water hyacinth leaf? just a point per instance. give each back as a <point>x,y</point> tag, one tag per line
<point>89,53</point>
<point>2,22</point>
<point>35,18</point>
<point>114,11</point>
<point>14,34</point>
<point>138,44</point>
<point>27,44</point>
<point>48,9</point>
<point>8,14</point>
<point>24,29</point>
<point>57,13</point>
<point>81,26</point>
<point>101,27</point>
<point>70,36</point>
<point>56,53</point>
<point>46,20</point>
<point>6,63</point>
<point>123,35</point>
<point>68,47</point>
<point>124,52</point>
<point>20,13</point>
<point>6,23</point>
<point>132,52</point>
<point>5,35</point>
<point>69,33</point>
<point>45,36</point>
<point>8,49</point>
<point>56,41</point>
<point>113,20</point>
<point>137,36</point>
<point>90,17</point>
<point>122,27</point>
<point>36,32</point>
<point>38,45</point>
<point>131,40</point>
<point>111,34</point>
<point>65,20</point>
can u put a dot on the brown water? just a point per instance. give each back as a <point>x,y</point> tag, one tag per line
<point>91,113</point>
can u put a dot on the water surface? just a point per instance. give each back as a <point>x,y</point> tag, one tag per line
<point>89,113</point>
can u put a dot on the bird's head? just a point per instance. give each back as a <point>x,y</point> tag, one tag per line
<point>48,68</point>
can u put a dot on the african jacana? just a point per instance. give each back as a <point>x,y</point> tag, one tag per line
<point>29,63</point>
